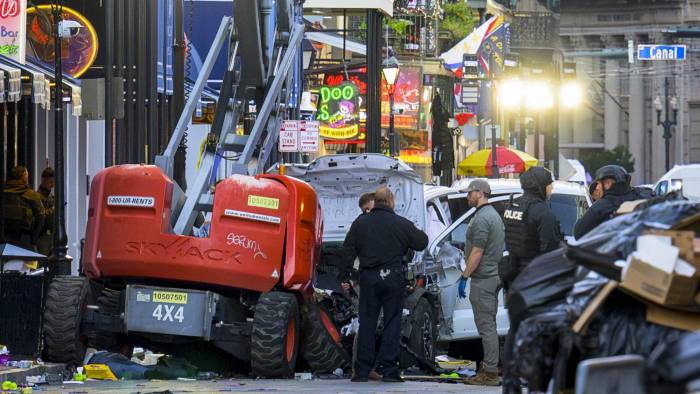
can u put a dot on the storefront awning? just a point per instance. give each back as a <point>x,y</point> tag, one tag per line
<point>41,88</point>
<point>12,91</point>
<point>336,41</point>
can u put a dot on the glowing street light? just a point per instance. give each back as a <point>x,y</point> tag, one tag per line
<point>539,95</point>
<point>510,93</point>
<point>571,94</point>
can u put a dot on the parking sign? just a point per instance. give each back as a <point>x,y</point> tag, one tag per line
<point>308,136</point>
<point>289,136</point>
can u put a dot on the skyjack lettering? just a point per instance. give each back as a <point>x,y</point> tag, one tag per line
<point>182,247</point>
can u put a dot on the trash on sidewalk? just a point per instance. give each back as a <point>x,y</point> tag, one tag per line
<point>657,273</point>
<point>79,376</point>
<point>4,355</point>
<point>303,376</point>
<point>35,380</point>
<point>120,366</point>
<point>99,372</point>
<point>628,287</point>
<point>453,364</point>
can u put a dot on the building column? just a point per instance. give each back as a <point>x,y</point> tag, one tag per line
<point>612,109</point>
<point>582,118</point>
<point>637,122</point>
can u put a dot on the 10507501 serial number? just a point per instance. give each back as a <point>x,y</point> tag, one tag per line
<point>169,297</point>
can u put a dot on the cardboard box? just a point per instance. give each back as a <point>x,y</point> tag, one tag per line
<point>629,207</point>
<point>684,241</point>
<point>658,286</point>
<point>587,314</point>
<point>681,320</point>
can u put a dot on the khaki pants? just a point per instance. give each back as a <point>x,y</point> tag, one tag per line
<point>483,295</point>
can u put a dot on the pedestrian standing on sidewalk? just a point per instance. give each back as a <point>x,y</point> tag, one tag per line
<point>23,211</point>
<point>484,249</point>
<point>381,239</point>
<point>45,241</point>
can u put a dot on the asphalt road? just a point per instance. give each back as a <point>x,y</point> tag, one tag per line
<point>262,386</point>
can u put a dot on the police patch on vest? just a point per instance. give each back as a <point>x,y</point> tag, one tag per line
<point>513,215</point>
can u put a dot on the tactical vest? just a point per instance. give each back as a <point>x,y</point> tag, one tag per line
<point>520,242</point>
<point>18,213</point>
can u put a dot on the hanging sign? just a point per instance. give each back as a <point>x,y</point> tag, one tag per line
<point>338,111</point>
<point>13,29</point>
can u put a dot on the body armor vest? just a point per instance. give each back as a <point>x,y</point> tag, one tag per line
<point>520,242</point>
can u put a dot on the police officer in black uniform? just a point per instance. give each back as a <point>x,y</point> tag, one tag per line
<point>381,239</point>
<point>22,209</point>
<point>616,188</point>
<point>532,229</point>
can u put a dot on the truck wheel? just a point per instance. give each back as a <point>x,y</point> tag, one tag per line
<point>109,302</point>
<point>66,301</point>
<point>422,337</point>
<point>275,337</point>
<point>322,347</point>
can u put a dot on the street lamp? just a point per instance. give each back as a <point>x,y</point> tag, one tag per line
<point>510,93</point>
<point>59,262</point>
<point>570,94</point>
<point>391,75</point>
<point>667,123</point>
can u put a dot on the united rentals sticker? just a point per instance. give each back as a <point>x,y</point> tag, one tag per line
<point>131,201</point>
<point>263,202</point>
<point>252,216</point>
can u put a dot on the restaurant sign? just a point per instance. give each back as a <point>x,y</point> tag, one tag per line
<point>13,29</point>
<point>338,111</point>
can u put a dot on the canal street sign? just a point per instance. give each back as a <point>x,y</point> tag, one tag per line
<point>661,52</point>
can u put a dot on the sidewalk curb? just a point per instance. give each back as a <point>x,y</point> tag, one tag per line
<point>19,375</point>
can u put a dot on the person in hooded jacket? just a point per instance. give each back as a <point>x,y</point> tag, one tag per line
<point>22,209</point>
<point>616,188</point>
<point>532,229</point>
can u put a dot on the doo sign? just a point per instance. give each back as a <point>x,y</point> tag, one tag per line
<point>661,52</point>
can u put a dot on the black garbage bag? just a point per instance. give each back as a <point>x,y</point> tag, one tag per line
<point>618,236</point>
<point>677,361</point>
<point>620,327</point>
<point>536,347</point>
<point>544,341</point>
<point>546,279</point>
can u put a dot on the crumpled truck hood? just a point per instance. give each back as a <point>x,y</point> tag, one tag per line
<point>339,180</point>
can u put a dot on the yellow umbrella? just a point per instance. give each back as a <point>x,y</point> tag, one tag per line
<point>510,161</point>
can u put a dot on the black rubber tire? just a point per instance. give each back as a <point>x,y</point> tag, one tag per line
<point>274,313</point>
<point>65,304</point>
<point>421,321</point>
<point>318,348</point>
<point>109,301</point>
